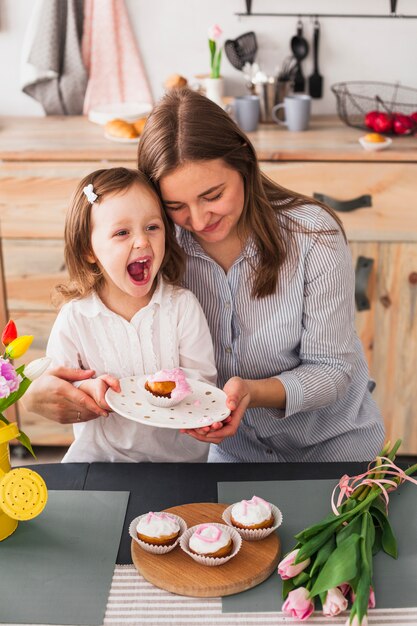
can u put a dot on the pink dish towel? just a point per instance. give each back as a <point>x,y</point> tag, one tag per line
<point>111,56</point>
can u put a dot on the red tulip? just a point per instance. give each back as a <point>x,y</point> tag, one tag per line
<point>9,333</point>
<point>414,116</point>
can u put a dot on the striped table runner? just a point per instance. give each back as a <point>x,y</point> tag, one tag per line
<point>135,602</point>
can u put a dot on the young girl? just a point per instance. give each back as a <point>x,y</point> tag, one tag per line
<point>125,314</point>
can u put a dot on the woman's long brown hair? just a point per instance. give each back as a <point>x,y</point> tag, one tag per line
<point>187,127</point>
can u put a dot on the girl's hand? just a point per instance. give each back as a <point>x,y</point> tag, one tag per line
<point>96,388</point>
<point>53,396</point>
<point>238,399</point>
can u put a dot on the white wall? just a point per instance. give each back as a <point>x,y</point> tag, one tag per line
<point>172,36</point>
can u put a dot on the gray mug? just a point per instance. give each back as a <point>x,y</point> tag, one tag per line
<point>246,112</point>
<point>297,109</point>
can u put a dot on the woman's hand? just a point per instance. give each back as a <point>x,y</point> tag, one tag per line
<point>54,396</point>
<point>238,399</point>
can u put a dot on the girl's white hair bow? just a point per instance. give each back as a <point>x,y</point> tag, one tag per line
<point>89,192</point>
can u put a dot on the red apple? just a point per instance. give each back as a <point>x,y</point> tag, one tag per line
<point>403,124</point>
<point>370,119</point>
<point>383,123</point>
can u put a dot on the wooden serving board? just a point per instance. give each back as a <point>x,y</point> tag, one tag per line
<point>180,574</point>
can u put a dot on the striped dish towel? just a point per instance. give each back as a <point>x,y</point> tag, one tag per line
<point>135,602</point>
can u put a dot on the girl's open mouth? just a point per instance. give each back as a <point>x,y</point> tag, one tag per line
<point>140,270</point>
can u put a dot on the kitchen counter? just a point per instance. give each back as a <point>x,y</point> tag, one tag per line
<point>61,138</point>
<point>43,159</point>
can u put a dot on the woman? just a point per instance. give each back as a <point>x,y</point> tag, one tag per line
<point>272,271</point>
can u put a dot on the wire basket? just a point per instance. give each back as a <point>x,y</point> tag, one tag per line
<point>356,99</point>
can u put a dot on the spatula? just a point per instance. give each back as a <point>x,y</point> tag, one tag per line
<point>241,50</point>
<point>315,81</point>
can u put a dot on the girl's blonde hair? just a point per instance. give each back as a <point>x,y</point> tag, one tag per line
<point>187,127</point>
<point>85,277</point>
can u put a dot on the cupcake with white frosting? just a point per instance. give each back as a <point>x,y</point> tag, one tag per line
<point>159,529</point>
<point>252,514</point>
<point>210,540</point>
<point>211,544</point>
<point>253,519</point>
<point>157,532</point>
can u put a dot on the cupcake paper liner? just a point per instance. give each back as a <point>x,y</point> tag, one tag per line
<point>211,561</point>
<point>150,547</point>
<point>159,400</point>
<point>259,533</point>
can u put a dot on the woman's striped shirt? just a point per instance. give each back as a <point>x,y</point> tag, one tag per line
<point>304,335</point>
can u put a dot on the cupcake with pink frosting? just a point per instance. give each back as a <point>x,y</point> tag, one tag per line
<point>167,387</point>
<point>211,544</point>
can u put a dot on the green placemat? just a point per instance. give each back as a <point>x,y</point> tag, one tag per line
<point>303,503</point>
<point>58,568</point>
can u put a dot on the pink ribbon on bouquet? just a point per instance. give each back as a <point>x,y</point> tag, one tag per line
<point>348,484</point>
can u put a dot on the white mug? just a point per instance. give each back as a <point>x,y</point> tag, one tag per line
<point>297,109</point>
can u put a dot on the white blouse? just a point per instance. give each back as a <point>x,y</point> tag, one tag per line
<point>171,331</point>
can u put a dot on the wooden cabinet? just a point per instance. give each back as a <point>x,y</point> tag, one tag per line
<point>42,159</point>
<point>385,232</point>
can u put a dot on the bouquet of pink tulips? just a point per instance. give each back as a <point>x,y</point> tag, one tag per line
<point>332,560</point>
<point>15,381</point>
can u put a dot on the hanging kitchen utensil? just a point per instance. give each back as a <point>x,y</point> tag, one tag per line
<point>241,50</point>
<point>300,48</point>
<point>315,82</point>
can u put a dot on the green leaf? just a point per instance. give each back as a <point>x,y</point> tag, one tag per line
<point>287,586</point>
<point>25,441</point>
<point>341,566</point>
<point>377,541</point>
<point>316,542</point>
<point>388,541</point>
<point>16,395</point>
<point>354,526</point>
<point>323,554</point>
<point>300,579</point>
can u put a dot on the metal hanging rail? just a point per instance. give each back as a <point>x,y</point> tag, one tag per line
<point>391,15</point>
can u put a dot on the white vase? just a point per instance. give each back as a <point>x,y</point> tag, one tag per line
<point>214,90</point>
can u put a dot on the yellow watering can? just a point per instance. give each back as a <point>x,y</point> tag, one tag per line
<point>23,493</point>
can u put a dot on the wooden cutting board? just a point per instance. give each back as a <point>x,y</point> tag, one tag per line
<point>180,574</point>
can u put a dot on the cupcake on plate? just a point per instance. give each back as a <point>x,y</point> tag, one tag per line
<point>252,514</point>
<point>157,532</point>
<point>210,540</point>
<point>167,387</point>
<point>211,544</point>
<point>159,529</point>
<point>253,519</point>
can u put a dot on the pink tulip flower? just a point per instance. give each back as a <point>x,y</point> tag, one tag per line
<point>344,588</point>
<point>287,569</point>
<point>335,602</point>
<point>371,601</point>
<point>214,32</point>
<point>298,604</point>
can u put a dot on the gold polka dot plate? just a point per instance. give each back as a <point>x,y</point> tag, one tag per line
<point>203,406</point>
<point>23,494</point>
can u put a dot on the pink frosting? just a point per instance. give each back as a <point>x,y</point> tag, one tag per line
<point>215,533</point>
<point>181,389</point>
<point>254,501</point>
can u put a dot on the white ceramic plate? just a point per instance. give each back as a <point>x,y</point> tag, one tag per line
<point>205,404</point>
<point>375,146</point>
<point>121,139</point>
<point>129,111</point>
